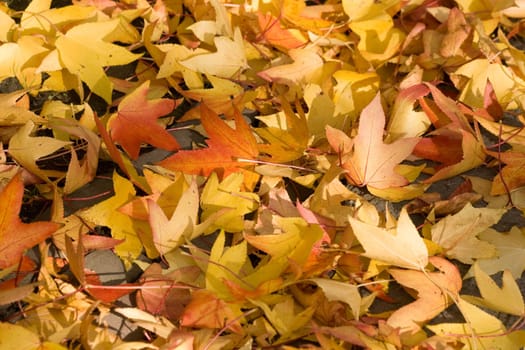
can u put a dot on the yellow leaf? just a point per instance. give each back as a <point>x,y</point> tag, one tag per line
<point>478,71</point>
<point>225,264</point>
<point>353,92</point>
<point>7,27</point>
<point>457,234</point>
<point>39,17</point>
<point>26,53</point>
<point>284,316</point>
<point>506,299</point>
<point>372,21</point>
<point>79,172</point>
<point>481,330</point>
<point>169,234</point>
<point>227,195</point>
<point>286,134</point>
<point>11,114</point>
<point>228,60</point>
<point>84,52</point>
<point>341,291</point>
<point>122,226</point>
<point>306,68</point>
<point>402,247</point>
<point>510,248</point>
<point>27,150</point>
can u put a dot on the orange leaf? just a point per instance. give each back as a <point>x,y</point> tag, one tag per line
<point>435,292</point>
<point>106,294</point>
<point>513,173</point>
<point>225,147</point>
<point>207,311</point>
<point>136,122</point>
<point>16,236</point>
<point>275,34</point>
<point>371,161</point>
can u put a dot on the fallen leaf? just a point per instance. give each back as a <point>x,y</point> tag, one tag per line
<point>284,317</point>
<point>306,67</point>
<point>27,150</point>
<point>458,234</point>
<point>341,291</point>
<point>122,226</point>
<point>84,50</point>
<point>16,236</point>
<point>481,330</point>
<point>435,292</point>
<point>226,62</point>
<point>225,147</point>
<point>402,247</point>
<point>286,134</point>
<point>273,32</point>
<point>207,311</point>
<point>169,234</point>
<point>136,122</point>
<point>372,162</point>
<point>12,113</point>
<point>510,252</point>
<point>506,299</point>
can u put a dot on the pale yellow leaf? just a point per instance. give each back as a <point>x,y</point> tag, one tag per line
<point>506,299</point>
<point>402,247</point>
<point>457,234</point>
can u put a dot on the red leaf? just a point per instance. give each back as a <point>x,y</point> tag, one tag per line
<point>225,146</point>
<point>136,122</point>
<point>16,236</point>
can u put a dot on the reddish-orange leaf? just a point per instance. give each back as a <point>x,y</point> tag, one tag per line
<point>444,146</point>
<point>106,294</point>
<point>275,34</point>
<point>225,147</point>
<point>136,122</point>
<point>16,236</point>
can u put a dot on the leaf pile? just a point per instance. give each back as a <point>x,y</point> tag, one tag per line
<point>262,230</point>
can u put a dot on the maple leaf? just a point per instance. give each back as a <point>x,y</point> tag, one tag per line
<point>16,236</point>
<point>286,134</point>
<point>27,150</point>
<point>457,234</point>
<point>405,248</point>
<point>275,34</point>
<point>306,67</point>
<point>228,60</point>
<point>510,248</point>
<point>435,292</point>
<point>227,203</point>
<point>13,112</point>
<point>122,226</point>
<point>371,162</point>
<point>84,50</point>
<point>225,147</point>
<point>506,299</point>
<point>371,19</point>
<point>483,331</point>
<point>512,175</point>
<point>207,311</point>
<point>136,122</point>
